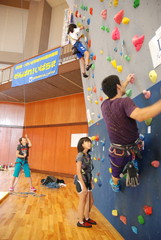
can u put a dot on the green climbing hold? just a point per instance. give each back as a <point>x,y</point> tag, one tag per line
<point>127,58</point>
<point>108,59</point>
<point>87,29</point>
<point>103,28</point>
<point>107,29</point>
<point>141,219</point>
<point>86,9</point>
<point>136,3</point>
<point>93,66</point>
<point>148,121</point>
<point>129,93</point>
<point>82,7</point>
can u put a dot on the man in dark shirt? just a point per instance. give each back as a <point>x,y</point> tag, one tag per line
<point>120,115</point>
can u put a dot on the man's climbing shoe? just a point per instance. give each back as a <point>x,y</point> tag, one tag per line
<point>115,188</point>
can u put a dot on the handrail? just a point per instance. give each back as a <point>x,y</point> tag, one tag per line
<point>65,56</point>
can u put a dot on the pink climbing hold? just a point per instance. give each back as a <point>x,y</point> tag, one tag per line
<point>119,16</point>
<point>123,219</point>
<point>104,14</point>
<point>115,34</point>
<point>155,163</point>
<point>138,42</point>
<point>147,94</point>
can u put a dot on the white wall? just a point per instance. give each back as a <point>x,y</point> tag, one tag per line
<point>56,28</point>
<point>13,22</point>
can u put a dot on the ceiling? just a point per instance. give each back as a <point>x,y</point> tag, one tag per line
<point>67,82</point>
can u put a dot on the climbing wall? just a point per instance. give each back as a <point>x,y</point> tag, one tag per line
<point>118,34</point>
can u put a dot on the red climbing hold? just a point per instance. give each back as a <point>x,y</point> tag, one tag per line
<point>155,163</point>
<point>123,219</point>
<point>119,16</point>
<point>148,210</point>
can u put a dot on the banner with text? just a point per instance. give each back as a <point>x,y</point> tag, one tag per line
<point>37,68</point>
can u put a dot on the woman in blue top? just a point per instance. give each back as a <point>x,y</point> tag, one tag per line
<point>83,181</point>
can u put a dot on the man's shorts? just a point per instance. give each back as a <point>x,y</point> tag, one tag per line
<point>78,185</point>
<point>118,164</point>
<point>24,164</point>
<point>81,49</point>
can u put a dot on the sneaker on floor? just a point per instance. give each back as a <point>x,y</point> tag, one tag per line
<point>85,75</point>
<point>84,224</point>
<point>11,189</point>
<point>115,188</point>
<point>88,67</point>
<point>90,221</point>
<point>32,189</point>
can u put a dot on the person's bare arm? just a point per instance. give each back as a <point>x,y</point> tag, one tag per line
<point>142,114</point>
<point>28,141</point>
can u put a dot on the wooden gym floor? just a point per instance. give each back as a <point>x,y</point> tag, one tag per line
<point>50,217</point>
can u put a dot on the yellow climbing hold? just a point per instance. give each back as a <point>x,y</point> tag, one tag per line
<point>125,20</point>
<point>114,212</point>
<point>114,64</point>
<point>153,76</point>
<point>115,3</point>
<point>95,180</point>
<point>119,68</point>
<point>88,89</point>
<point>101,52</point>
<point>110,170</point>
<point>148,122</point>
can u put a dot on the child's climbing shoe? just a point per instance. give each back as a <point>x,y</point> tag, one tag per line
<point>85,75</point>
<point>84,224</point>
<point>88,67</point>
<point>11,189</point>
<point>115,188</point>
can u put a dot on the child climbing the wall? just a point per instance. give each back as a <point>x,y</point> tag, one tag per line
<point>83,182</point>
<point>22,162</point>
<point>82,53</point>
<point>120,115</point>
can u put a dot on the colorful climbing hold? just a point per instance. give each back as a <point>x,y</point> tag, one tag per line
<point>153,76</point>
<point>104,14</point>
<point>125,20</point>
<point>127,58</point>
<point>96,101</point>
<point>138,42</point>
<point>88,21</point>
<point>119,68</point>
<point>148,121</point>
<point>119,16</point>
<point>102,159</point>
<point>89,43</point>
<point>101,98</point>
<point>141,219</point>
<point>114,64</point>
<point>94,89</point>
<point>101,52</point>
<point>115,3</point>
<point>108,59</point>
<point>134,229</point>
<point>93,66</point>
<point>115,212</point>
<point>148,210</point>
<point>94,57</point>
<point>155,163</point>
<point>129,93</point>
<point>136,3</point>
<point>103,28</point>
<point>91,11</point>
<point>95,180</point>
<point>115,34</point>
<point>110,170</point>
<point>107,29</point>
<point>123,219</point>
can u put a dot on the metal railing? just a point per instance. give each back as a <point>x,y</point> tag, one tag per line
<point>66,55</point>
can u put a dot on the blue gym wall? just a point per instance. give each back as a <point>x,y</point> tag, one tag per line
<point>144,20</point>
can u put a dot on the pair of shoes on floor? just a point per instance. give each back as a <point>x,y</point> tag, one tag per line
<point>32,189</point>
<point>115,188</point>
<point>84,224</point>
<point>90,221</point>
<point>11,189</point>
